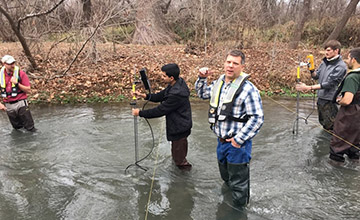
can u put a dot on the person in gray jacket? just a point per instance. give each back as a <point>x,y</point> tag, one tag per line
<point>329,75</point>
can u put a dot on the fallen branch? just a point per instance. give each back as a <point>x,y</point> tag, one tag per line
<point>60,76</point>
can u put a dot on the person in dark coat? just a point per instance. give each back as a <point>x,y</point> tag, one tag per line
<point>175,105</point>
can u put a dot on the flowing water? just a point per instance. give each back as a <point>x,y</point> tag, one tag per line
<point>73,167</point>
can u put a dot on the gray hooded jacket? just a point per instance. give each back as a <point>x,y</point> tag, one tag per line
<point>329,75</point>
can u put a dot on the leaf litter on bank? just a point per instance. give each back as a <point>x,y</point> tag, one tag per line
<point>271,68</point>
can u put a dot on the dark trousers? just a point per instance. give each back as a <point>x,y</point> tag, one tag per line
<point>21,118</point>
<point>179,149</point>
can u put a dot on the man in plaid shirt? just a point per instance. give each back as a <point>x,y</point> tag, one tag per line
<point>236,116</point>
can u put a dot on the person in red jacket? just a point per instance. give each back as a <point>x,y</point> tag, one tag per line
<point>15,85</point>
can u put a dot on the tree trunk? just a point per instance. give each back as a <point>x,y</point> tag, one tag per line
<point>350,9</point>
<point>267,12</point>
<point>87,10</point>
<point>20,37</point>
<point>151,27</point>
<point>300,25</point>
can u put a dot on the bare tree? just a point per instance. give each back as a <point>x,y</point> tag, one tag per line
<point>350,9</point>
<point>268,7</point>
<point>151,27</point>
<point>17,29</point>
<point>300,24</point>
<point>106,14</point>
<point>20,37</point>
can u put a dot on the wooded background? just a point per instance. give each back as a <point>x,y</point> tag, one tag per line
<point>199,28</point>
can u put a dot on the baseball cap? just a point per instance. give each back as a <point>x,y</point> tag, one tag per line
<point>8,59</point>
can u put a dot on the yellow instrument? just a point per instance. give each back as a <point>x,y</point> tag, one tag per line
<point>311,65</point>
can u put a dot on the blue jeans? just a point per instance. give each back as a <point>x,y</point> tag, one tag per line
<point>226,153</point>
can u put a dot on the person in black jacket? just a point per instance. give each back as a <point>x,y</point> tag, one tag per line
<point>175,105</point>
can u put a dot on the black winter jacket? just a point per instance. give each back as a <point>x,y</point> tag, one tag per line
<point>175,105</point>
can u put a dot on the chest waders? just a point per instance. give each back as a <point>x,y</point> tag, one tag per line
<point>236,176</point>
<point>14,86</point>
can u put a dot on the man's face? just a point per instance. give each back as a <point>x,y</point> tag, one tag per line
<point>349,61</point>
<point>233,67</point>
<point>9,67</point>
<point>166,78</point>
<point>330,53</point>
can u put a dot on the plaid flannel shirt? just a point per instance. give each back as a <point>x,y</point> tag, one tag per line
<point>247,102</point>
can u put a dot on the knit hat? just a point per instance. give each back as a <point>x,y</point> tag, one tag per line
<point>171,69</point>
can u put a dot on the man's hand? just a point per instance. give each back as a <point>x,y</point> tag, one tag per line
<point>338,99</point>
<point>204,72</point>
<point>233,142</point>
<point>13,80</point>
<point>135,111</point>
<point>2,107</point>
<point>139,94</point>
<point>302,87</point>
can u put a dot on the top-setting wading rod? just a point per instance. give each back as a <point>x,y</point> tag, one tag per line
<point>310,65</point>
<point>133,104</point>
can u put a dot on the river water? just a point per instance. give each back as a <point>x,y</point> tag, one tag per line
<point>74,168</point>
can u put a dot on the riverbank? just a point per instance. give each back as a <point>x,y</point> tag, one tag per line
<point>109,77</point>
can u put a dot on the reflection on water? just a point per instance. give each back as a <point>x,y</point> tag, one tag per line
<point>73,168</point>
